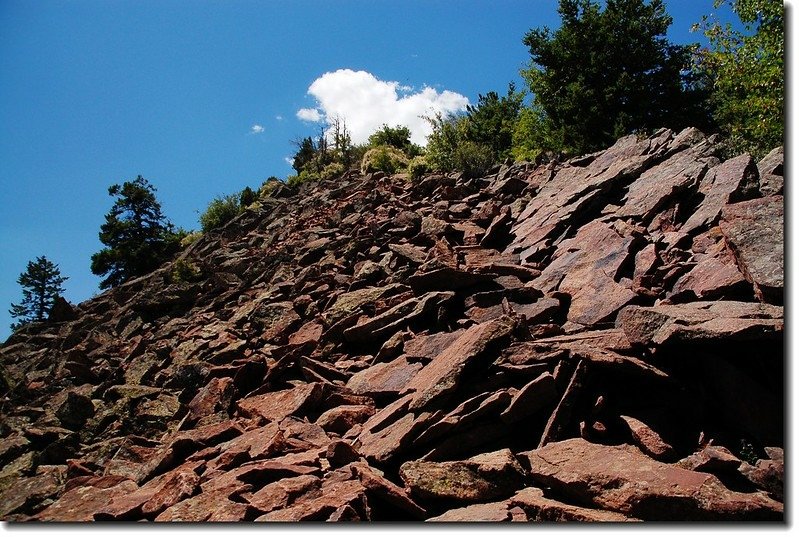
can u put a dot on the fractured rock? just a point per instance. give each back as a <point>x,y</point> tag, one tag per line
<point>484,477</point>
<point>754,231</point>
<point>701,321</point>
<point>622,479</point>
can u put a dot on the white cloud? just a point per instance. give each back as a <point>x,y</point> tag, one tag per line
<point>289,160</point>
<point>256,129</point>
<point>279,118</point>
<point>366,103</point>
<point>309,114</point>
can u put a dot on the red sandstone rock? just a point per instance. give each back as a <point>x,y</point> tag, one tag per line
<point>441,376</point>
<point>389,378</point>
<point>534,396</point>
<point>622,479</point>
<point>539,508</point>
<point>283,492</point>
<point>648,440</point>
<point>736,321</point>
<point>81,504</point>
<point>343,418</point>
<point>275,406</point>
<point>483,477</point>
<point>754,231</point>
<point>479,512</point>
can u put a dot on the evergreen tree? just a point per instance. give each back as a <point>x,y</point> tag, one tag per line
<point>306,151</point>
<point>41,285</point>
<point>490,123</point>
<point>138,237</point>
<point>607,73</point>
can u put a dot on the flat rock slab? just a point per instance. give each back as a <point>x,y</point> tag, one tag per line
<point>575,188</point>
<point>701,321</point>
<point>342,418</point>
<point>212,506</point>
<point>396,318</point>
<point>348,303</point>
<point>155,496</point>
<point>442,375</point>
<point>275,406</point>
<point>622,479</point>
<point>81,504</point>
<point>539,508</point>
<point>733,180</point>
<point>488,476</point>
<point>429,346</point>
<point>479,512</point>
<point>281,493</point>
<point>332,496</point>
<point>385,378</point>
<point>536,395</point>
<point>754,230</point>
<point>714,276</point>
<point>658,185</point>
<point>586,267</point>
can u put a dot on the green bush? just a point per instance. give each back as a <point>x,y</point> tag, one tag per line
<point>333,170</point>
<point>220,211</point>
<point>185,272</point>
<point>304,177</point>
<point>269,186</point>
<point>190,238</point>
<point>384,158</point>
<point>747,76</point>
<point>473,159</point>
<point>417,167</point>
<point>448,132</point>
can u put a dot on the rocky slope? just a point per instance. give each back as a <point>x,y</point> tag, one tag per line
<point>594,340</point>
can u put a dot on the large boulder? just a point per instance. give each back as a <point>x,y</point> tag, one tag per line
<point>754,231</point>
<point>622,479</point>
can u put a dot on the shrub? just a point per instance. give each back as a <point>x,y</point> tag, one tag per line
<point>473,159</point>
<point>304,177</point>
<point>333,170</point>
<point>190,238</point>
<point>220,211</point>
<point>185,272</point>
<point>269,186</point>
<point>417,167</point>
<point>383,158</point>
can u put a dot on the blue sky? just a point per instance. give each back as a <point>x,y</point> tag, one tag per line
<point>202,97</point>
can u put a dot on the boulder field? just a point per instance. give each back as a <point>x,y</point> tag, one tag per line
<point>595,340</point>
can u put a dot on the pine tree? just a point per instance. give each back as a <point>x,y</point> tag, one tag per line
<point>41,285</point>
<point>609,72</point>
<point>137,235</point>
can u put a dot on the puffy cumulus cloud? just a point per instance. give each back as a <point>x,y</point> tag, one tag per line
<point>256,129</point>
<point>365,103</point>
<point>309,114</point>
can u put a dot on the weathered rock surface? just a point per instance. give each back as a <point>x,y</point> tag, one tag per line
<point>754,231</point>
<point>483,477</point>
<point>593,340</point>
<point>622,479</point>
